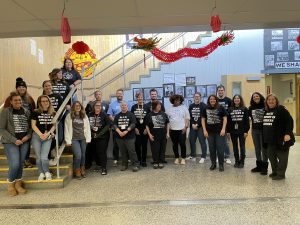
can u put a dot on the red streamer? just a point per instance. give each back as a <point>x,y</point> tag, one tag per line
<point>225,39</point>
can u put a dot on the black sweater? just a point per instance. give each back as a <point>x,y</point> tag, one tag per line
<point>238,120</point>
<point>277,123</point>
<point>99,125</point>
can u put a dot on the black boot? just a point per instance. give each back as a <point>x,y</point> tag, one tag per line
<point>237,161</point>
<point>258,167</point>
<point>242,162</point>
<point>264,168</point>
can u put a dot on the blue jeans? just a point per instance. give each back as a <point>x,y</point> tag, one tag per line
<point>260,152</point>
<point>41,149</point>
<point>15,156</point>
<point>234,139</point>
<point>194,134</point>
<point>78,148</point>
<point>226,147</point>
<point>216,147</point>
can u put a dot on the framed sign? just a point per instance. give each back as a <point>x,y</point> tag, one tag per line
<point>168,90</point>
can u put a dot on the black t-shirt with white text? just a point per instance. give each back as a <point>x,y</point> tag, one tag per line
<point>56,101</point>
<point>43,120</point>
<point>214,118</point>
<point>123,121</point>
<point>225,102</point>
<point>61,88</point>
<point>269,126</point>
<point>21,123</point>
<point>140,112</point>
<point>238,120</point>
<point>195,113</point>
<point>256,114</point>
<point>157,123</point>
<point>98,123</point>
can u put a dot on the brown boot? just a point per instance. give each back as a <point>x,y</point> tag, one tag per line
<point>82,170</point>
<point>77,174</point>
<point>11,190</point>
<point>19,188</point>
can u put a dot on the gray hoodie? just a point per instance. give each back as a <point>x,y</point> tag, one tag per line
<point>7,128</point>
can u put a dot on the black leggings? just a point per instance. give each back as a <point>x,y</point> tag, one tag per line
<point>178,137</point>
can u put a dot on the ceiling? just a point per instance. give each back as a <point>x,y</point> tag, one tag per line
<point>28,18</point>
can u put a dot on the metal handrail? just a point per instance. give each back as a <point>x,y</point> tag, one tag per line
<point>56,120</point>
<point>118,60</point>
<point>141,61</point>
<point>108,54</point>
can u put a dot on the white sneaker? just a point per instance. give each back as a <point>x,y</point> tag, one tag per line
<point>176,161</point>
<point>189,157</point>
<point>115,163</point>
<point>217,160</point>
<point>182,162</point>
<point>52,162</point>
<point>202,160</point>
<point>228,161</point>
<point>48,176</point>
<point>41,177</point>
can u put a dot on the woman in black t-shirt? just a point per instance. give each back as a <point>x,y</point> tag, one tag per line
<point>140,110</point>
<point>277,135</point>
<point>157,125</point>
<point>16,132</point>
<point>256,113</point>
<point>41,122</point>
<point>99,123</point>
<point>238,127</point>
<point>56,101</point>
<point>59,85</point>
<point>214,123</point>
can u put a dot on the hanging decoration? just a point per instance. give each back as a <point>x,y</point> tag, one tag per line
<point>225,39</point>
<point>146,44</point>
<point>298,39</point>
<point>82,55</point>
<point>215,21</point>
<point>65,27</point>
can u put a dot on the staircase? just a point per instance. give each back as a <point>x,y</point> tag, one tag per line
<point>30,175</point>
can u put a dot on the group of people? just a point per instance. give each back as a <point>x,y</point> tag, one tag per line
<point>87,130</point>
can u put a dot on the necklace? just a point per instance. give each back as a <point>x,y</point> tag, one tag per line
<point>141,113</point>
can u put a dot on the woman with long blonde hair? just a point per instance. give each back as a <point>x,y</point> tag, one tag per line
<point>78,134</point>
<point>41,122</point>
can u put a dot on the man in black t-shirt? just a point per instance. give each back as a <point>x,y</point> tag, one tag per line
<point>98,97</point>
<point>153,96</point>
<point>124,125</point>
<point>226,103</point>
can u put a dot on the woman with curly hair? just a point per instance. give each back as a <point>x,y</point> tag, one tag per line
<point>179,118</point>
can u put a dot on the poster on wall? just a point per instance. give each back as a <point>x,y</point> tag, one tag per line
<point>281,51</point>
<point>188,101</point>
<point>167,103</point>
<point>190,81</point>
<point>147,93</point>
<point>211,89</point>
<point>168,90</point>
<point>189,91</point>
<point>180,79</point>
<point>160,93</point>
<point>202,90</point>
<point>169,78</point>
<point>179,90</point>
<point>135,91</point>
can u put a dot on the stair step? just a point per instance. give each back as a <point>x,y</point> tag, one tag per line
<point>32,183</point>
<point>64,159</point>
<point>29,172</point>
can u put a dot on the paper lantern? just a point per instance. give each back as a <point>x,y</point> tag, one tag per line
<point>65,30</point>
<point>215,23</point>
<point>80,47</point>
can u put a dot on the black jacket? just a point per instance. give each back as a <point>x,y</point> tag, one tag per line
<point>283,124</point>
